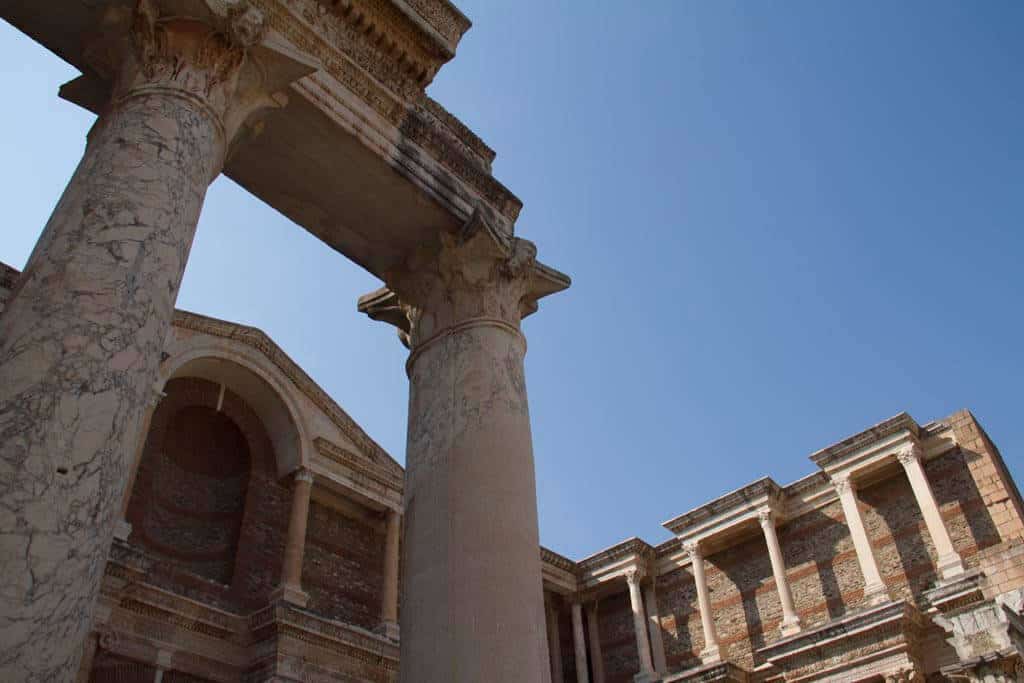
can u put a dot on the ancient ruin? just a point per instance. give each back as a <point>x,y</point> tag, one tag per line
<point>182,502</point>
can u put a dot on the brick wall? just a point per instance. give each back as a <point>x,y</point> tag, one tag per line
<point>343,570</point>
<point>188,526</point>
<point>979,505</point>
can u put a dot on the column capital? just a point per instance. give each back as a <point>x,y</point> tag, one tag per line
<point>693,550</point>
<point>213,52</point>
<point>766,517</point>
<point>842,482</point>
<point>304,474</point>
<point>633,576</point>
<point>480,275</point>
<point>909,454</point>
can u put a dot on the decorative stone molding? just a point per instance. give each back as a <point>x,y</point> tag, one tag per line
<point>909,454</point>
<point>842,483</point>
<point>693,551</point>
<point>257,339</point>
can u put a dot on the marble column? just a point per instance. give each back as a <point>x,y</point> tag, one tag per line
<point>875,591</point>
<point>790,619</point>
<point>654,628</point>
<point>643,647</point>
<point>122,529</point>
<point>80,340</point>
<point>950,564</point>
<point>472,603</point>
<point>389,601</point>
<point>554,643</point>
<point>580,642</point>
<point>596,660</point>
<point>295,544</point>
<point>711,652</point>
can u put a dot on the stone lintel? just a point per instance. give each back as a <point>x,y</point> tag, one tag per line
<point>725,672</point>
<point>723,516</point>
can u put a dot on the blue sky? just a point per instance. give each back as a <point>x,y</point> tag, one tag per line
<point>784,222</point>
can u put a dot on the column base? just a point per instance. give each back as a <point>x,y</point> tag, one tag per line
<point>122,530</point>
<point>291,594</point>
<point>388,629</point>
<point>711,655</point>
<point>877,594</point>
<point>790,626</point>
<point>951,567</point>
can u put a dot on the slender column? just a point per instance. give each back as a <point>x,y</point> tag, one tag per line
<point>389,606</point>
<point>81,338</point>
<point>790,619</point>
<point>554,643</point>
<point>295,545</point>
<point>163,664</point>
<point>580,641</point>
<point>711,652</point>
<point>472,603</point>
<point>654,626</point>
<point>643,647</point>
<point>875,591</point>
<point>950,563</point>
<point>596,661</point>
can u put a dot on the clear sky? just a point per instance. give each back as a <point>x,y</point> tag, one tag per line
<point>785,222</point>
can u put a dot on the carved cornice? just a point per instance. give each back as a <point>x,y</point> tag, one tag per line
<point>257,339</point>
<point>630,547</point>
<point>555,560</point>
<point>386,479</point>
<point>739,499</point>
<point>894,425</point>
<point>368,70</point>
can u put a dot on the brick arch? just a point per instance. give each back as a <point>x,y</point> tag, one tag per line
<point>215,529</point>
<point>252,376</point>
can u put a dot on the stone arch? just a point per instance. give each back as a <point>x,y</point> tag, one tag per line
<point>261,384</point>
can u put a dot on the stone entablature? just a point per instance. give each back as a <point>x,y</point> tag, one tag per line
<point>895,627</point>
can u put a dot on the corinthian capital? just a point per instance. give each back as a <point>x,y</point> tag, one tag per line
<point>478,274</point>
<point>910,454</point>
<point>842,483</point>
<point>693,550</point>
<point>218,52</point>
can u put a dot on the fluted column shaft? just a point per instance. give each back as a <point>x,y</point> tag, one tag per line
<point>580,641</point>
<point>790,619</point>
<point>711,652</point>
<point>875,591</point>
<point>389,602</point>
<point>81,338</point>
<point>636,603</point>
<point>295,545</point>
<point>950,564</point>
<point>596,660</point>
